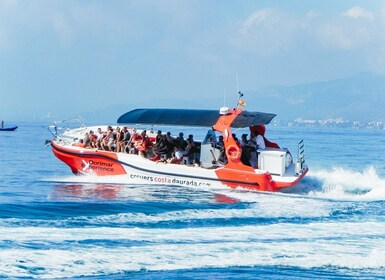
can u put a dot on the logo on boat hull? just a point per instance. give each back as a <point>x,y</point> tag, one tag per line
<point>93,166</point>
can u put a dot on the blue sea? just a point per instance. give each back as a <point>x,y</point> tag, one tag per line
<point>332,225</point>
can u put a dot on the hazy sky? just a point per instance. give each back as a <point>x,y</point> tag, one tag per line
<point>66,57</point>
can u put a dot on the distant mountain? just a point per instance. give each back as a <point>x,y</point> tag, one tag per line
<point>360,97</point>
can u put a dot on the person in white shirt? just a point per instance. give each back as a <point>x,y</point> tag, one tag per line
<point>257,142</point>
<point>177,156</point>
<point>260,142</point>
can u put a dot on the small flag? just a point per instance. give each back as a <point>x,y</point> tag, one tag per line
<point>242,102</point>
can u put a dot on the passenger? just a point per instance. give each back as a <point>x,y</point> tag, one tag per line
<point>260,141</point>
<point>99,134</point>
<point>135,137</point>
<point>119,140</point>
<point>221,146</point>
<point>87,140</point>
<point>253,150</point>
<point>103,143</point>
<point>211,140</point>
<point>2,124</point>
<point>80,143</point>
<point>145,144</point>
<point>126,139</point>
<point>180,142</point>
<point>244,141</point>
<point>93,139</point>
<point>161,149</point>
<point>132,149</point>
<point>245,156</point>
<point>190,149</point>
<point>235,138</point>
<point>170,142</point>
<point>158,138</point>
<point>110,140</point>
<point>177,156</point>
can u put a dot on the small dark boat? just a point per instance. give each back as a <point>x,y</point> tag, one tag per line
<point>8,128</point>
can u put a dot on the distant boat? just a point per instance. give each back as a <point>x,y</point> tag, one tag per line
<point>8,128</point>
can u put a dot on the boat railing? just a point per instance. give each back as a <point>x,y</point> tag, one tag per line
<point>301,157</point>
<point>59,129</point>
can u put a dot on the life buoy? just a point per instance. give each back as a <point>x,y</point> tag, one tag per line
<point>233,152</point>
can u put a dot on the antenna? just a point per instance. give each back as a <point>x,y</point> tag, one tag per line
<point>224,110</point>
<point>224,97</point>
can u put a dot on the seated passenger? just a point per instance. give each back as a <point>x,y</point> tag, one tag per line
<point>158,138</point>
<point>160,149</point>
<point>126,139</point>
<point>132,149</point>
<point>180,142</point>
<point>256,143</point>
<point>260,141</point>
<point>87,140</point>
<point>170,142</point>
<point>177,156</point>
<point>119,140</point>
<point>135,137</point>
<point>99,134</point>
<point>143,145</point>
<point>253,150</point>
<point>235,138</point>
<point>93,139</point>
<point>221,146</point>
<point>245,156</point>
<point>244,141</point>
<point>190,149</point>
<point>108,139</point>
<point>80,144</point>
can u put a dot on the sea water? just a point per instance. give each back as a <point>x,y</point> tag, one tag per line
<point>332,225</point>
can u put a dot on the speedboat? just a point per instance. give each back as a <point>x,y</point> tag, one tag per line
<point>274,169</point>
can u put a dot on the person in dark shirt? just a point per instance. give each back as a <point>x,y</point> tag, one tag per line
<point>190,149</point>
<point>124,144</point>
<point>180,142</point>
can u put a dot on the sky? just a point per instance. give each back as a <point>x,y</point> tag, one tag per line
<point>62,58</point>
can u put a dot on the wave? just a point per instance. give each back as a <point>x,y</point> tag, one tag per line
<point>136,227</point>
<point>340,183</point>
<point>97,251</point>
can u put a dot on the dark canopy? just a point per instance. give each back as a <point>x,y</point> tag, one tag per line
<point>247,118</point>
<point>171,117</point>
<point>189,117</point>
